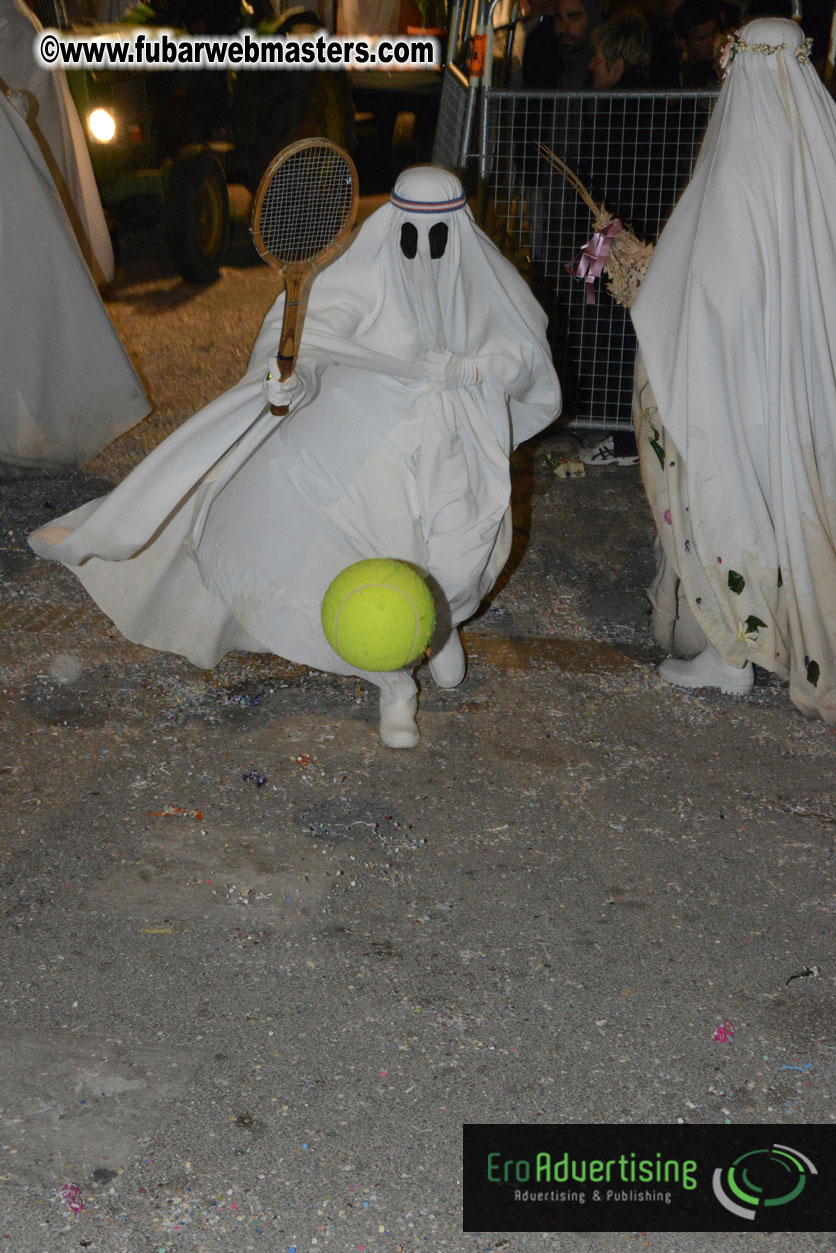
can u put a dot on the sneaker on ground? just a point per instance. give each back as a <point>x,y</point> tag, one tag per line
<point>613,450</point>
<point>709,669</point>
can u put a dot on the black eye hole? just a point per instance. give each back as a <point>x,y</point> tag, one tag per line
<point>409,240</point>
<point>438,239</point>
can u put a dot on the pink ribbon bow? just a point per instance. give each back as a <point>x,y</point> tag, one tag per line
<point>590,264</point>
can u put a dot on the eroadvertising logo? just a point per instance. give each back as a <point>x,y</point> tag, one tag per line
<point>631,1177</point>
<point>768,1177</point>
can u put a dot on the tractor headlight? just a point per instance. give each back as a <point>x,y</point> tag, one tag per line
<point>101,125</point>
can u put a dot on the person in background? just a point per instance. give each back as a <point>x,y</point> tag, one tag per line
<point>622,57</point>
<point>729,16</point>
<point>574,23</point>
<point>555,58</point>
<point>697,33</point>
<point>658,15</point>
<point>622,49</point>
<point>558,48</point>
<point>540,56</point>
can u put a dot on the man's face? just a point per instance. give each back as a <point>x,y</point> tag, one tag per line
<point>571,23</point>
<point>699,42</point>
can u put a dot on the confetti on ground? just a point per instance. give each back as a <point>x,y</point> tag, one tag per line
<point>809,972</point>
<point>174,811</point>
<point>71,1194</point>
<point>568,468</point>
<point>244,896</point>
<point>724,1032</point>
<point>254,776</point>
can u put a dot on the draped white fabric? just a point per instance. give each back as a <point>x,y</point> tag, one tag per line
<point>229,533</point>
<point>55,123</point>
<point>67,387</point>
<point>736,327</point>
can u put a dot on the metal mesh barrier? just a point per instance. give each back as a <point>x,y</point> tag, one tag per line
<point>452,109</point>
<point>54,13</point>
<point>635,151</point>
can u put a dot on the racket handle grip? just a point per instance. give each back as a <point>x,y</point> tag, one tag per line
<point>286,362</point>
<point>286,355</point>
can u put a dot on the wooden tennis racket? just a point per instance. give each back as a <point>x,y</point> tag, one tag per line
<point>303,214</point>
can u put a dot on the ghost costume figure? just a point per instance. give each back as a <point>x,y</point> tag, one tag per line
<point>54,416</point>
<point>54,121</point>
<point>736,386</point>
<point>423,362</point>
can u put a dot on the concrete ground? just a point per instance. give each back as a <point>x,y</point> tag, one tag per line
<point>245,1017</point>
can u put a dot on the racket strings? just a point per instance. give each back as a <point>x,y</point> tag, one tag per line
<point>306,205</point>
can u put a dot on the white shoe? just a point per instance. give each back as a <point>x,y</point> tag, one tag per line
<point>618,449</point>
<point>449,664</point>
<point>397,721</point>
<point>709,669</point>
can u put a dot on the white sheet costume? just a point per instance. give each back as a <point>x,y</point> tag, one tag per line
<point>54,120</point>
<point>67,387</point>
<point>213,544</point>
<point>737,408</point>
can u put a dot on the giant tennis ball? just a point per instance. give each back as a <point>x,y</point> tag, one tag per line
<point>378,614</point>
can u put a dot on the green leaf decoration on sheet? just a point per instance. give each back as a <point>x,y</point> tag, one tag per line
<point>813,673</point>
<point>753,624</point>
<point>657,447</point>
<point>736,582</point>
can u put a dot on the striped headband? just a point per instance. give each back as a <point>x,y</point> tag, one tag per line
<point>429,206</point>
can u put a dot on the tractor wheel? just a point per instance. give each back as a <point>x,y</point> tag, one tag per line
<point>197,215</point>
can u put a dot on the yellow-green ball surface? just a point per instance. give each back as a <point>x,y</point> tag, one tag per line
<point>378,614</point>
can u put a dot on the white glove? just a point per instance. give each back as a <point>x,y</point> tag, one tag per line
<point>447,370</point>
<point>283,393</point>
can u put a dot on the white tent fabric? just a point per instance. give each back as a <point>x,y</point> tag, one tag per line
<point>228,534</point>
<point>55,123</point>
<point>67,387</point>
<point>737,418</point>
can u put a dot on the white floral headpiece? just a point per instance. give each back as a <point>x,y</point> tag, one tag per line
<point>735,44</point>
